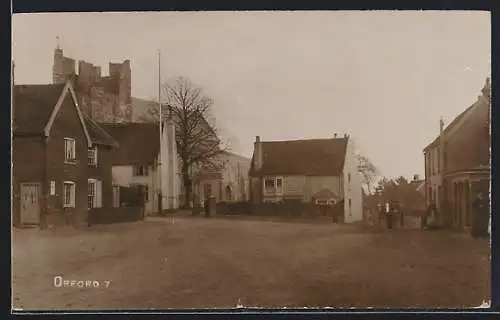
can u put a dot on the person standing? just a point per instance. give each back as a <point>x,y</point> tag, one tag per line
<point>431,209</point>
<point>389,215</point>
<point>480,216</point>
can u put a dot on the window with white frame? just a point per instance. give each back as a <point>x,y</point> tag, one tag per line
<point>140,170</point>
<point>94,197</point>
<point>92,156</point>
<point>69,150</point>
<point>69,190</point>
<point>269,185</point>
<point>273,185</point>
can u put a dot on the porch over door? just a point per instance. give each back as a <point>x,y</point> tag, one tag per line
<point>30,203</point>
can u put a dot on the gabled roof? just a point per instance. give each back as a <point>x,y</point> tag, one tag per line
<point>35,108</point>
<point>486,96</point>
<point>32,107</point>
<point>450,126</point>
<point>232,154</point>
<point>139,142</point>
<point>98,134</point>
<point>314,157</point>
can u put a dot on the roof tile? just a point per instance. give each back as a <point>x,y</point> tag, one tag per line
<point>314,157</point>
<point>139,143</point>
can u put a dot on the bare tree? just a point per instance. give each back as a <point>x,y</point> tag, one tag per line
<point>368,170</point>
<point>197,140</point>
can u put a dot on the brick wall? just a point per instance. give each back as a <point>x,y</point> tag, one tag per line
<point>67,124</point>
<point>115,215</point>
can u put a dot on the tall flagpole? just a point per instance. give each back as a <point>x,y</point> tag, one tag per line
<point>160,154</point>
<point>159,89</point>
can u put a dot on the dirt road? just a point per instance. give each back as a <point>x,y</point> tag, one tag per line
<point>204,263</point>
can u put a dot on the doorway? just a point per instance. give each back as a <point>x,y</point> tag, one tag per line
<point>30,203</point>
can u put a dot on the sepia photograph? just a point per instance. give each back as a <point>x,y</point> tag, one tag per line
<point>250,159</point>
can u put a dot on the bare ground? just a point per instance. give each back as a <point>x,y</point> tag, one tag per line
<point>207,263</point>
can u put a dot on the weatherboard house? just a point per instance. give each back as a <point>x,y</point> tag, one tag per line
<point>321,171</point>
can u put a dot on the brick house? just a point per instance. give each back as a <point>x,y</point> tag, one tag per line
<point>321,171</point>
<point>457,163</point>
<point>60,158</point>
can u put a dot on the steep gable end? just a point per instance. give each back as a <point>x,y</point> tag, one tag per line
<point>35,108</point>
<point>68,89</point>
<point>451,127</point>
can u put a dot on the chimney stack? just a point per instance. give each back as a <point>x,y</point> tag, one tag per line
<point>257,153</point>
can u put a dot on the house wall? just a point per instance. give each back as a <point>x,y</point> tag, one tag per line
<point>353,209</point>
<point>293,186</point>
<point>302,187</point>
<point>123,176</point>
<point>316,184</point>
<point>67,124</point>
<point>28,165</point>
<point>169,169</point>
<point>432,175</point>
<point>103,172</point>
<point>256,189</point>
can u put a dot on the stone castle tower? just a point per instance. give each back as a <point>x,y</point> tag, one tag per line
<point>104,98</point>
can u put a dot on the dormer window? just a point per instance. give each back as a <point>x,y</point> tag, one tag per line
<point>92,157</point>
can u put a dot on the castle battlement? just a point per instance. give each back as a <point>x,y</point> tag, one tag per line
<point>103,98</point>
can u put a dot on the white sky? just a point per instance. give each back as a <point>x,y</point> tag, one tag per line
<point>384,77</point>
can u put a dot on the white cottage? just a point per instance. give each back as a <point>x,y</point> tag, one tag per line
<point>144,159</point>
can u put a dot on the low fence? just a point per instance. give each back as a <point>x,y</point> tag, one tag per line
<point>131,208</point>
<point>115,215</point>
<point>291,209</point>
